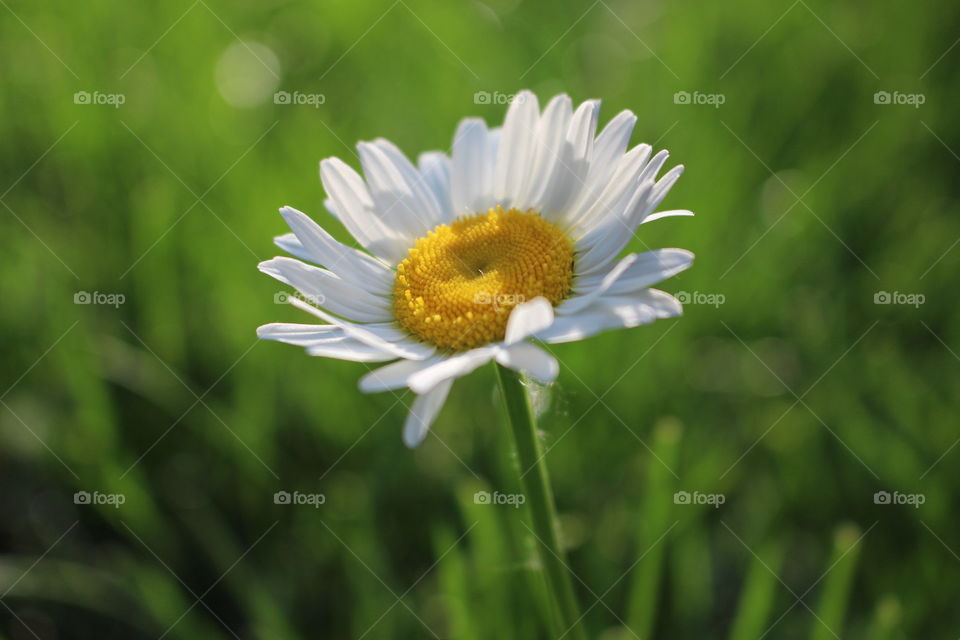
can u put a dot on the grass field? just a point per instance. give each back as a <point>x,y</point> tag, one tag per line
<point>144,158</point>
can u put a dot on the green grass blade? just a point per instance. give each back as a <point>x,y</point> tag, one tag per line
<point>757,597</point>
<point>832,606</point>
<point>655,521</point>
<point>455,587</point>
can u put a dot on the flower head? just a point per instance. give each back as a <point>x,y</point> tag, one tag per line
<point>514,236</point>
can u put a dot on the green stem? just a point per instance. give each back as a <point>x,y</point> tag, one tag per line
<point>539,495</point>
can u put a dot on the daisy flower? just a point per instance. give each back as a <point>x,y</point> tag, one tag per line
<point>514,236</point>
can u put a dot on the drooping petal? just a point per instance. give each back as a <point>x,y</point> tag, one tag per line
<point>423,412</point>
<point>394,375</point>
<point>527,319</point>
<point>530,360</point>
<point>453,367</point>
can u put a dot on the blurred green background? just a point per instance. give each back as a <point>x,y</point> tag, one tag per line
<point>816,364</point>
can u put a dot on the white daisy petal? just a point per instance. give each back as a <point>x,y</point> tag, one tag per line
<point>394,375</point>
<point>650,268</point>
<point>578,302</point>
<point>549,152</point>
<point>384,331</point>
<point>355,209</point>
<point>604,243</point>
<point>631,213</point>
<point>601,201</point>
<point>493,150</point>
<point>516,149</point>
<point>653,167</point>
<point>666,214</point>
<point>471,178</point>
<point>527,319</point>
<point>610,146</point>
<point>350,349</point>
<point>425,198</point>
<point>355,266</point>
<point>328,290</point>
<point>305,335</point>
<point>620,200</point>
<point>328,341</point>
<point>638,210</point>
<point>290,243</point>
<point>329,205</point>
<point>570,176</point>
<point>642,270</point>
<point>435,169</point>
<point>664,305</point>
<point>530,360</point>
<point>453,367</point>
<point>423,412</point>
<point>374,335</point>
<point>301,335</point>
<point>612,312</point>
<point>661,189</point>
<point>396,194</point>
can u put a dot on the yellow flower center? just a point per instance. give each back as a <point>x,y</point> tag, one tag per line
<point>457,287</point>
